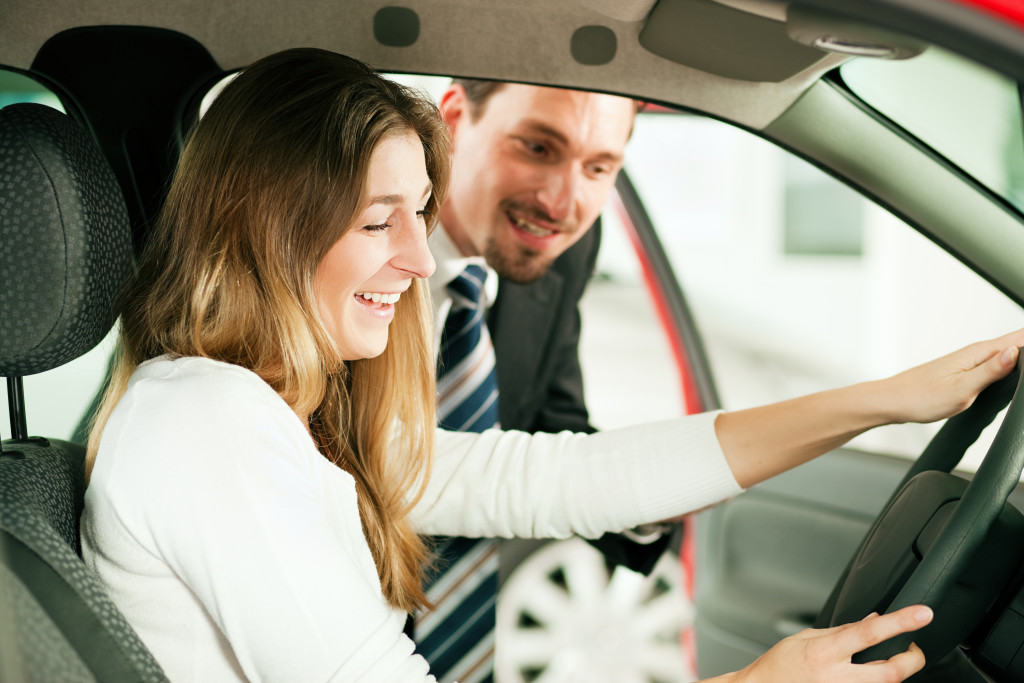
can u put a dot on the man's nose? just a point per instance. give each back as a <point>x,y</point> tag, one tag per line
<point>558,191</point>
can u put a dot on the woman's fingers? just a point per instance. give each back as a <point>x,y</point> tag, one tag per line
<point>872,630</point>
<point>904,664</point>
<point>948,385</point>
<point>994,364</point>
<point>824,655</point>
<point>997,366</point>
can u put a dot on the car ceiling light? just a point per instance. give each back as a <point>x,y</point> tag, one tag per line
<point>836,44</point>
<point>836,33</point>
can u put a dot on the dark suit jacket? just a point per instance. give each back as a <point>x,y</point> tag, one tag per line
<point>535,330</point>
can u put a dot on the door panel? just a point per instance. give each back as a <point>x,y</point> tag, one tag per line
<point>767,560</point>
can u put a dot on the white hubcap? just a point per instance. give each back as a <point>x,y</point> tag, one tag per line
<point>562,619</point>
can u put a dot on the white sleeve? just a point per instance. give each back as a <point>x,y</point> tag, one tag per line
<point>513,484</point>
<point>227,491</point>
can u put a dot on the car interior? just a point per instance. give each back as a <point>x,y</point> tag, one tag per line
<point>69,251</point>
<point>854,532</point>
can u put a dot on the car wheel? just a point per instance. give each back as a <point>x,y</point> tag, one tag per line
<point>563,618</point>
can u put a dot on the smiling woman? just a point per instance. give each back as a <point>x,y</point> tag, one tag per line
<point>247,248</point>
<point>363,275</point>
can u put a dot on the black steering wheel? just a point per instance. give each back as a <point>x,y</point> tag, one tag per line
<point>951,544</point>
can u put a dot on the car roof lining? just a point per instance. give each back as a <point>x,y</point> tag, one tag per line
<point>456,37</point>
<point>477,38</point>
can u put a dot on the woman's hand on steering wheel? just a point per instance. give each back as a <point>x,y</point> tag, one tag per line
<point>950,384</point>
<point>824,655</point>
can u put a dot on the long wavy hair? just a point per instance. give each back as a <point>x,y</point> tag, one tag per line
<point>271,177</point>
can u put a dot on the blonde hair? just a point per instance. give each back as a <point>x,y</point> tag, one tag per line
<point>270,179</point>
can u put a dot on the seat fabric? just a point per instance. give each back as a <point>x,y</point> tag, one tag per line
<point>65,251</point>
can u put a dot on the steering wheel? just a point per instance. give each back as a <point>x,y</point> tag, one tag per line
<point>942,541</point>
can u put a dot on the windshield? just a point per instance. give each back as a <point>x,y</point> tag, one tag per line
<point>969,114</point>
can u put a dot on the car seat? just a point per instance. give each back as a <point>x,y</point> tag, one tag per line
<point>65,251</point>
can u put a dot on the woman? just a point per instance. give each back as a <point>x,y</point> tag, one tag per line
<point>265,458</point>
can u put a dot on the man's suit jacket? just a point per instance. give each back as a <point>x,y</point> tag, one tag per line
<point>535,329</point>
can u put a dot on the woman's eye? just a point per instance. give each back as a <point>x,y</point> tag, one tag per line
<point>423,213</point>
<point>380,227</point>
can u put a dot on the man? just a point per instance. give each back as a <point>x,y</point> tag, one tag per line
<point>532,169</point>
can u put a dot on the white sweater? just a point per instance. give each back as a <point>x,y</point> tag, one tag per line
<point>236,552</point>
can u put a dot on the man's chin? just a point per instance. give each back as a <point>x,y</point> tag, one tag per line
<point>520,266</point>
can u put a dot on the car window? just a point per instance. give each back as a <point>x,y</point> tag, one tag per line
<point>16,87</point>
<point>966,112</point>
<point>797,282</point>
<point>629,371</point>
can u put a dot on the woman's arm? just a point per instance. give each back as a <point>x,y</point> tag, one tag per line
<point>761,442</point>
<point>553,485</point>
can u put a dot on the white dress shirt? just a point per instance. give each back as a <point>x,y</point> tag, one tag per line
<point>450,264</point>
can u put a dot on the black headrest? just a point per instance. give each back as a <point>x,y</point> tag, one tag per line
<point>65,242</point>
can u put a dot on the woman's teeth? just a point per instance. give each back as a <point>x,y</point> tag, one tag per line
<point>530,227</point>
<point>378,298</point>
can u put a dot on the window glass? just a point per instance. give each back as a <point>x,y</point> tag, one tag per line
<point>967,113</point>
<point>629,371</point>
<point>797,283</point>
<point>16,87</point>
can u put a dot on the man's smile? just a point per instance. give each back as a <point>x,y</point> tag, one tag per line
<point>530,227</point>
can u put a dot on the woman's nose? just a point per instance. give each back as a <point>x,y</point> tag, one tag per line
<point>413,254</point>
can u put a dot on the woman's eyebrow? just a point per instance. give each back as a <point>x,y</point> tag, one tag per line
<point>392,199</point>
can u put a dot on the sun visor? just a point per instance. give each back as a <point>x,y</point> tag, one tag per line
<point>725,41</point>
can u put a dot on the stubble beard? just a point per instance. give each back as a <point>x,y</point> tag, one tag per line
<point>515,262</point>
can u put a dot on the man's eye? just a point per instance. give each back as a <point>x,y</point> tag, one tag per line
<point>533,147</point>
<point>602,171</point>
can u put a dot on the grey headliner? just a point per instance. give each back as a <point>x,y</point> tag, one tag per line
<point>459,37</point>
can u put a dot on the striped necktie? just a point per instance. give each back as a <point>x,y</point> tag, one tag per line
<point>457,636</point>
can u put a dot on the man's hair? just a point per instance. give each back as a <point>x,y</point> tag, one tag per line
<point>479,91</point>
<point>272,176</point>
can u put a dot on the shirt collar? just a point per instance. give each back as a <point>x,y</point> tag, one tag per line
<point>450,263</point>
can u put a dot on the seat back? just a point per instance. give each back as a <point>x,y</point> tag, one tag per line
<point>65,251</point>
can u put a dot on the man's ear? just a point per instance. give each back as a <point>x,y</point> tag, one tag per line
<point>454,106</point>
